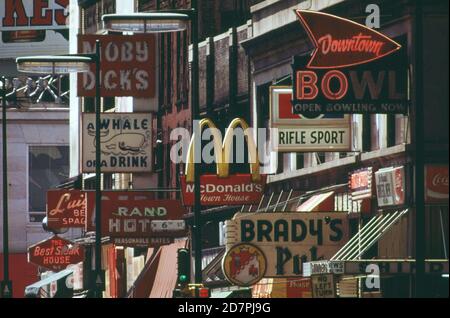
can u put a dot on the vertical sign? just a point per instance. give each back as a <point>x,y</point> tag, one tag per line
<point>323,286</point>
<point>390,183</point>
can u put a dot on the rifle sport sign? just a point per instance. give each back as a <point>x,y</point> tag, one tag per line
<point>126,142</point>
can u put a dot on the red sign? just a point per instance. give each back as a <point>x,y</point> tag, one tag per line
<point>235,189</point>
<point>127,65</point>
<point>340,42</point>
<point>436,184</point>
<point>298,288</point>
<point>132,216</point>
<point>66,209</point>
<point>360,184</point>
<point>55,253</point>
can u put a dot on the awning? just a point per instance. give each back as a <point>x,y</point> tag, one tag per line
<point>37,290</point>
<point>318,202</point>
<point>166,274</point>
<point>142,285</point>
<point>367,236</point>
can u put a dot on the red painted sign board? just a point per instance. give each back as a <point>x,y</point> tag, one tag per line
<point>360,184</point>
<point>127,65</point>
<point>55,253</point>
<point>235,189</point>
<point>436,184</point>
<point>66,209</point>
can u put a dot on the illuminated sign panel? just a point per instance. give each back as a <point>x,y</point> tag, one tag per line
<point>353,69</point>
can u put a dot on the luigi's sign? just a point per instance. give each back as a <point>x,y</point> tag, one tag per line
<point>288,240</point>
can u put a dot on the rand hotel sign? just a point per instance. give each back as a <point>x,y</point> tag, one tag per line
<point>127,65</point>
<point>126,142</point>
<point>353,69</point>
<point>290,239</point>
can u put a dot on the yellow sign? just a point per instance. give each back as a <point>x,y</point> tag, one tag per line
<point>223,150</point>
<point>244,265</point>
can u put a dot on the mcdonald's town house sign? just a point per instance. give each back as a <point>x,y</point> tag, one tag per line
<point>222,188</point>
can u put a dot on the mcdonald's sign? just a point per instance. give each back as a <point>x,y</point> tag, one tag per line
<point>222,188</point>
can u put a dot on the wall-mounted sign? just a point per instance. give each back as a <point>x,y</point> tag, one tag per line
<point>55,253</point>
<point>289,239</point>
<point>390,183</point>
<point>130,217</point>
<point>126,142</point>
<point>33,15</point>
<point>244,264</point>
<point>127,65</point>
<point>66,209</point>
<point>360,184</point>
<point>304,133</point>
<point>224,189</point>
<point>323,286</point>
<point>436,184</point>
<point>338,78</point>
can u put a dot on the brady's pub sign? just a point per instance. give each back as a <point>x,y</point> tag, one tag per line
<point>286,240</point>
<point>353,69</point>
<point>223,188</point>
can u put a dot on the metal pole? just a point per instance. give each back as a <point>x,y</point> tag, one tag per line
<point>419,153</point>
<point>6,286</point>
<point>98,194</point>
<point>196,229</point>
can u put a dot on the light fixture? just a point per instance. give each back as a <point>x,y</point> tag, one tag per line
<point>154,22</point>
<point>53,64</point>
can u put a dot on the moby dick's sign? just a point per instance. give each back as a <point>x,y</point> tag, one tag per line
<point>55,253</point>
<point>353,69</point>
<point>223,188</point>
<point>290,239</point>
<point>126,142</point>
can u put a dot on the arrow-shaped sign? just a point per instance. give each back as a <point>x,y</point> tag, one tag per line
<point>340,42</point>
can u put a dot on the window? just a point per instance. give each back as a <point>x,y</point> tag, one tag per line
<point>48,166</point>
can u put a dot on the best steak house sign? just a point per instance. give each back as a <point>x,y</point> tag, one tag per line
<point>127,65</point>
<point>353,69</point>
<point>55,253</point>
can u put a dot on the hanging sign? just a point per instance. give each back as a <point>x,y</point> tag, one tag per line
<point>289,239</point>
<point>55,253</point>
<point>127,65</point>
<point>66,209</point>
<point>390,184</point>
<point>126,142</point>
<point>360,184</point>
<point>304,133</point>
<point>17,15</point>
<point>436,184</point>
<point>353,69</point>
<point>224,189</point>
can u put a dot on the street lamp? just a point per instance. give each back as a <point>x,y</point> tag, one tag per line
<point>75,63</point>
<point>173,21</point>
<point>6,284</point>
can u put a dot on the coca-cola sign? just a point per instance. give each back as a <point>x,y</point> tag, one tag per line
<point>55,253</point>
<point>66,208</point>
<point>235,189</point>
<point>436,184</point>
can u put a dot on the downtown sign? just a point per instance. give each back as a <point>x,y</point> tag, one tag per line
<point>223,188</point>
<point>286,240</point>
<point>303,133</point>
<point>126,142</point>
<point>353,69</point>
<point>55,253</point>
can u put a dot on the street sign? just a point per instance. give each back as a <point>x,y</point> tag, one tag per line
<point>323,286</point>
<point>323,267</point>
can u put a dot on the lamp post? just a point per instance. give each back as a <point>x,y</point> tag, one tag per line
<point>6,285</point>
<point>173,21</point>
<point>76,63</point>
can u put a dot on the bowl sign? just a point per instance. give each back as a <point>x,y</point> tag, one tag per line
<point>55,253</point>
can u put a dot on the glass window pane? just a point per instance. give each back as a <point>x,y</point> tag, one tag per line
<point>48,167</point>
